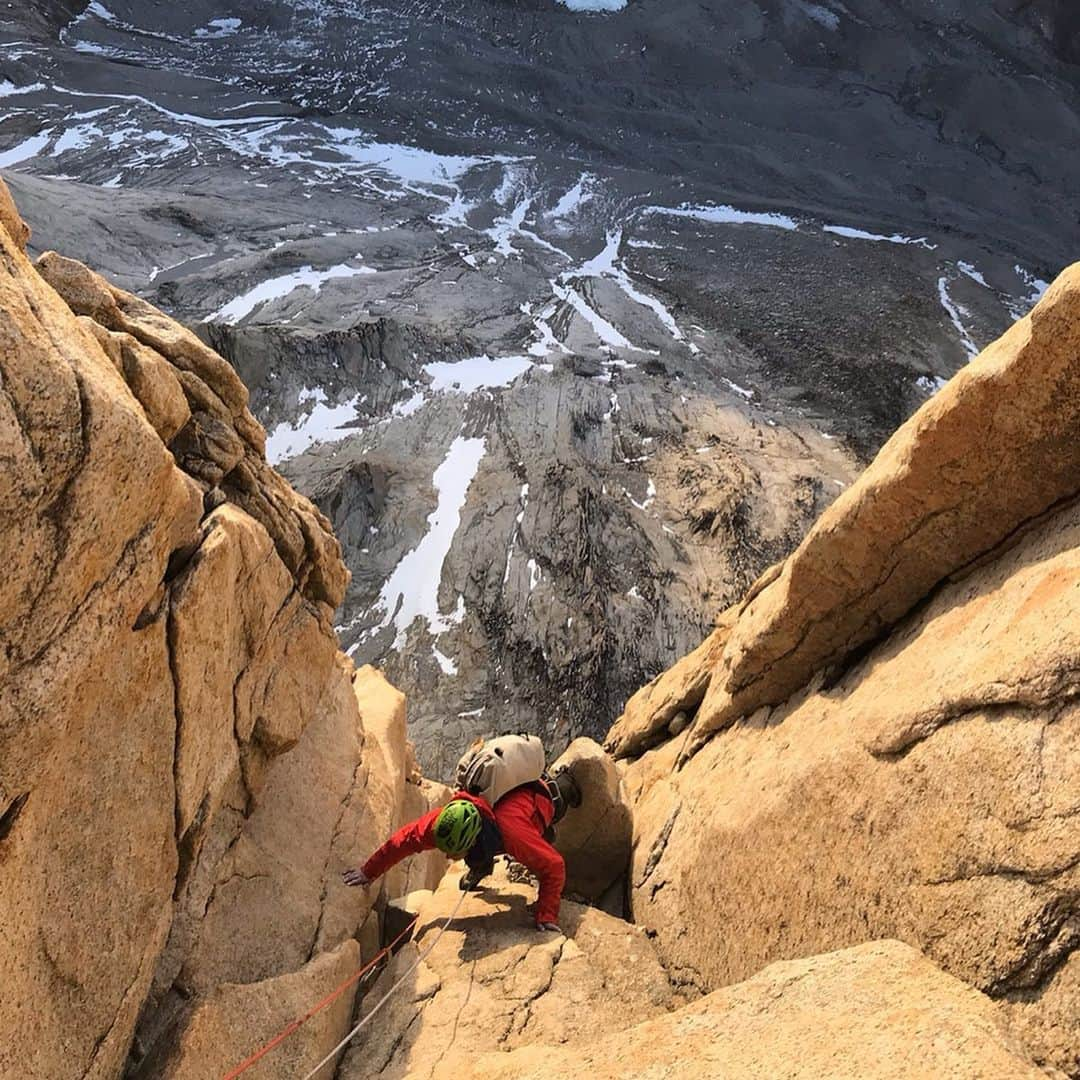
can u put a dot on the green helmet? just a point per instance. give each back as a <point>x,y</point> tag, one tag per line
<point>457,827</point>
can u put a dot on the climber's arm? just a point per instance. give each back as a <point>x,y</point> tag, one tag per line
<point>417,836</point>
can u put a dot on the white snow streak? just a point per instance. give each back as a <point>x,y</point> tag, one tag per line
<point>412,590</point>
<point>280,287</point>
<point>725,215</point>
<point>955,312</point>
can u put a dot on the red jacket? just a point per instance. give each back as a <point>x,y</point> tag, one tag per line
<point>522,815</point>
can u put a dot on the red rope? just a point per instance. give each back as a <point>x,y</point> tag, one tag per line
<point>332,996</point>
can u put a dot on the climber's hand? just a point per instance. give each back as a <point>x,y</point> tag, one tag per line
<point>550,926</point>
<point>355,877</point>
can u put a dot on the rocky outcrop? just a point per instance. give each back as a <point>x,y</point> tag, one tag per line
<point>662,708</point>
<point>185,766</point>
<point>993,450</point>
<point>901,714</point>
<point>594,838</point>
<point>236,1021</point>
<point>493,983</point>
<point>492,998</point>
<point>876,1011</point>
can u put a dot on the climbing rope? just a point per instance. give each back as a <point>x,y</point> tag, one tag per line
<point>334,994</point>
<point>386,997</point>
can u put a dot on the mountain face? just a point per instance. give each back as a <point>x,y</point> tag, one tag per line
<point>570,323</point>
<point>843,826</point>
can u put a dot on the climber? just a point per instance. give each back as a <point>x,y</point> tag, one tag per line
<point>467,827</point>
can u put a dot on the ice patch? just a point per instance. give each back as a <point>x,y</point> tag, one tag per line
<point>895,238</point>
<point>25,150</point>
<point>725,215</point>
<point>535,575</point>
<point>598,6</point>
<point>601,327</point>
<point>476,373</point>
<point>9,89</point>
<point>279,287</point>
<point>322,424</point>
<point>412,590</point>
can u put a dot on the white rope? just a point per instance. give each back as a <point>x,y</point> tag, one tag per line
<point>386,997</point>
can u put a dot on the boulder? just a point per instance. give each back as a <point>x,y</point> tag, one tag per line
<point>994,449</point>
<point>879,1011</point>
<point>595,837</point>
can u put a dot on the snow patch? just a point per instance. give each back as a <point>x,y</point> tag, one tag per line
<point>280,287</point>
<point>25,150</point>
<point>322,424</point>
<point>219,28</point>
<point>598,6</point>
<point>9,89</point>
<point>725,215</point>
<point>575,198</point>
<point>412,590</point>
<point>956,312</point>
<point>895,238</point>
<point>445,663</point>
<point>969,270</point>
<point>476,373</point>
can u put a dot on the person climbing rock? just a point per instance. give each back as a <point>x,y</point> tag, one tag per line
<point>520,824</point>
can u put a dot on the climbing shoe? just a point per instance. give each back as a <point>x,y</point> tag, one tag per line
<point>471,879</point>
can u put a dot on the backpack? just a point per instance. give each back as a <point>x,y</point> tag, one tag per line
<point>493,767</point>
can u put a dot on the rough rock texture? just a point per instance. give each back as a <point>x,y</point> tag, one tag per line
<point>927,788</point>
<point>494,983</point>
<point>594,838</point>
<point>184,767</point>
<point>10,220</point>
<point>647,718</point>
<point>221,443</point>
<point>876,1011</point>
<point>236,1020</point>
<point>991,451</point>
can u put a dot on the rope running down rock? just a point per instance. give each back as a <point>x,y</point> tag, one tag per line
<point>386,997</point>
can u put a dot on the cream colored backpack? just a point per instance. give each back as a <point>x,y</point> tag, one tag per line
<point>493,767</point>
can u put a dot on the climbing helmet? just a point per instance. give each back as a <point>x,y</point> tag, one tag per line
<point>457,827</point>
